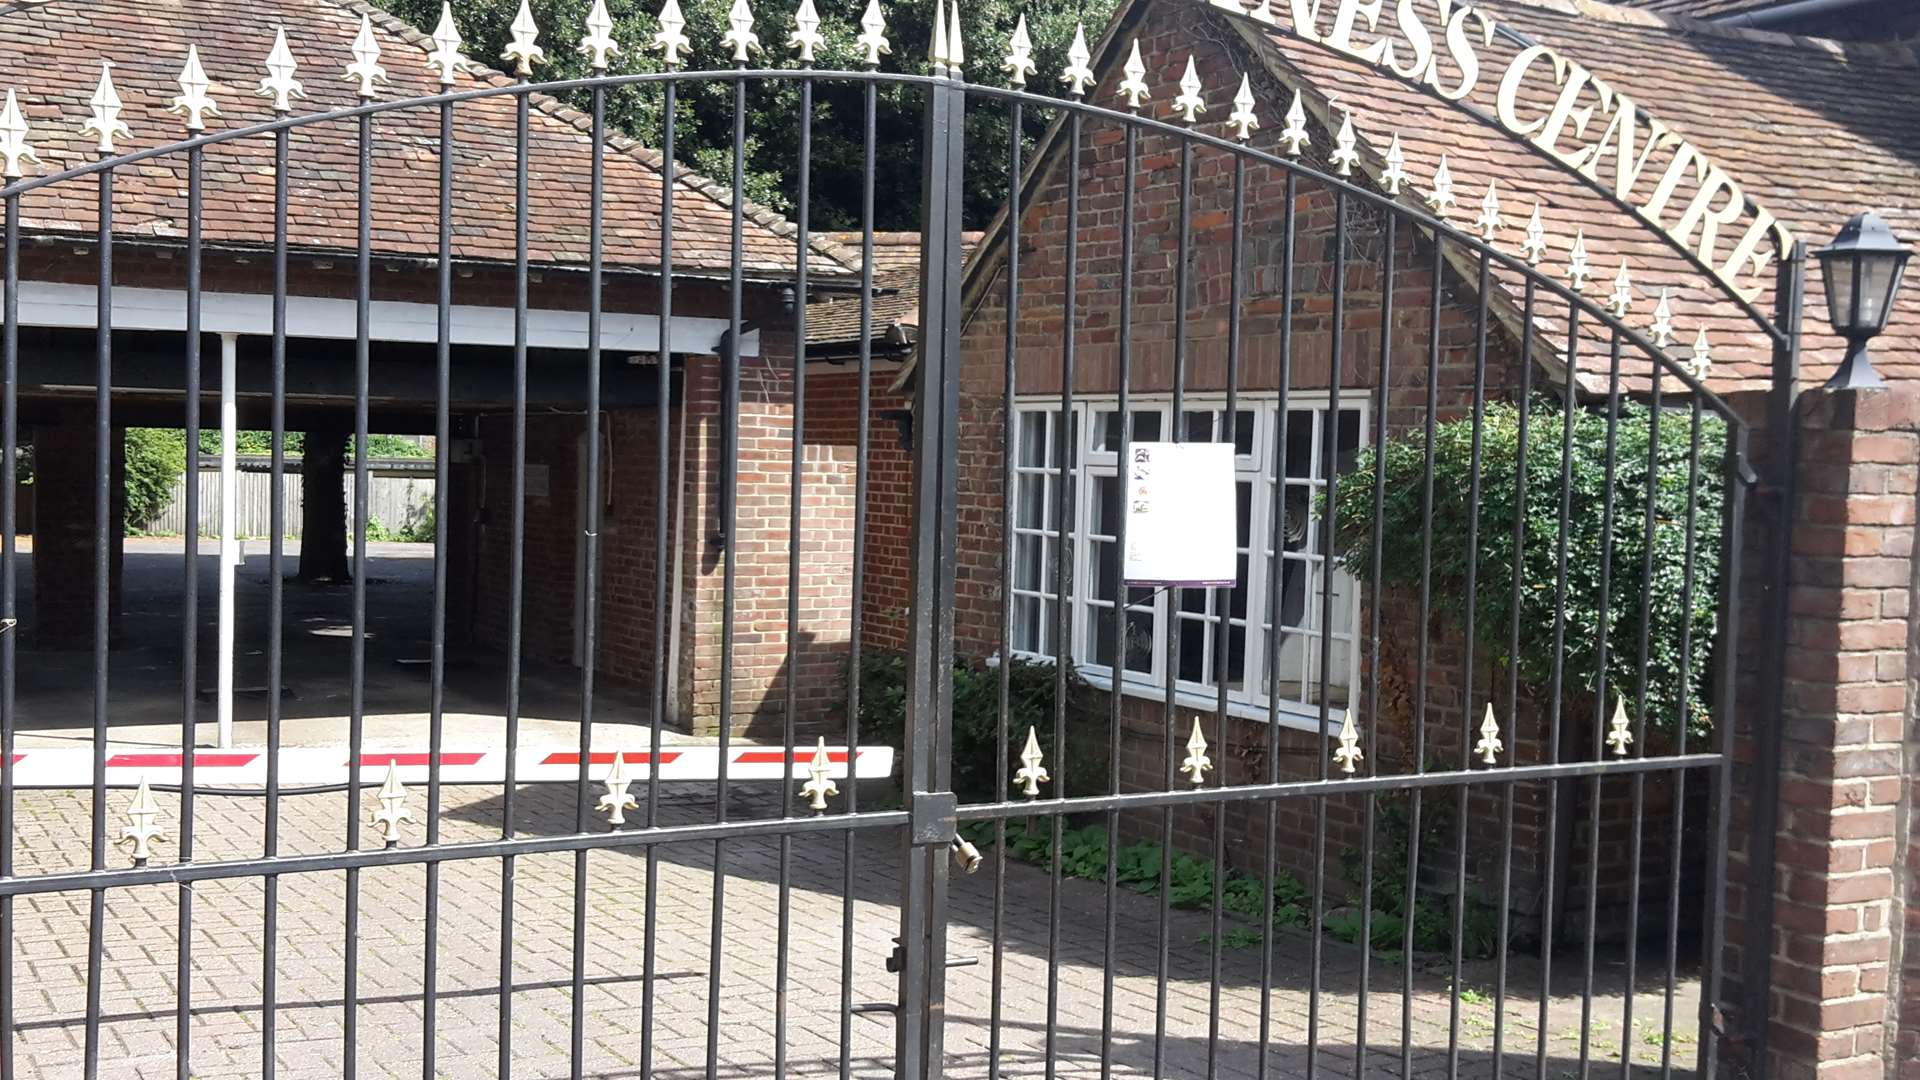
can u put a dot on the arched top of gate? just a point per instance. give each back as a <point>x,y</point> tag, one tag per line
<point>947,58</point>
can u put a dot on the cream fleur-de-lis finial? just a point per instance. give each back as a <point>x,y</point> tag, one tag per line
<point>1661,329</point>
<point>1188,103</point>
<point>393,806</point>
<point>818,785</point>
<point>617,800</point>
<point>280,85</point>
<point>105,121</point>
<point>1621,298</point>
<point>145,815</point>
<point>1133,82</point>
<point>956,41</point>
<point>1031,773</point>
<point>14,147</point>
<point>1197,762</point>
<point>446,47</point>
<point>1294,134</point>
<point>740,36</point>
<point>597,44</point>
<point>1534,247</point>
<point>873,35</point>
<point>1346,148</point>
<point>1396,171</point>
<point>1489,746</point>
<point>366,59</point>
<point>806,31</point>
<point>672,39</point>
<point>1440,196</point>
<point>1701,361</point>
<point>1018,63</point>
<point>524,49</point>
<point>1078,76</point>
<point>1619,734</point>
<point>1578,270</point>
<point>192,102</point>
<point>1489,220</point>
<point>1241,119</point>
<point>1348,752</point>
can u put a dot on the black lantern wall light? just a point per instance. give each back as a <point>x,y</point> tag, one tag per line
<point>1862,269</point>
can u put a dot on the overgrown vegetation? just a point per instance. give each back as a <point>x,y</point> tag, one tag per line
<point>1031,698</point>
<point>704,120</point>
<point>1189,882</point>
<point>1673,608</point>
<point>260,443</point>
<point>418,531</point>
<point>155,459</point>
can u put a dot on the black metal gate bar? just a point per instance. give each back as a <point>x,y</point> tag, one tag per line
<point>1009,450</point>
<point>1507,796</point>
<point>927,768</point>
<point>102,511</point>
<point>276,615</point>
<point>1640,725</point>
<point>1066,452</point>
<point>669,93</point>
<point>437,647</point>
<point>1175,596</point>
<point>797,451</point>
<point>9,597</point>
<point>190,603</point>
<point>1271,864</point>
<point>1437,273</point>
<point>1468,627</point>
<point>856,627</point>
<point>356,703</point>
<point>730,527</point>
<point>1680,745</point>
<point>1569,396</point>
<point>1122,596</point>
<point>1600,700</point>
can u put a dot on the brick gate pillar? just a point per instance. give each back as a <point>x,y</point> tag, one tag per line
<point>64,472</point>
<point>1836,1006</point>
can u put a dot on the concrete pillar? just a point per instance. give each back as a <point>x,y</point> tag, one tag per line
<point>1829,942</point>
<point>65,470</point>
<point>323,507</point>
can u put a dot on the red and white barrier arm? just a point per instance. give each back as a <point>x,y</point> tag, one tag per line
<point>308,766</point>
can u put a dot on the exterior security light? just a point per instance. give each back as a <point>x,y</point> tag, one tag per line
<point>1862,269</point>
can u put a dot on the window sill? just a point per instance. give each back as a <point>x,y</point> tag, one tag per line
<point>1303,718</point>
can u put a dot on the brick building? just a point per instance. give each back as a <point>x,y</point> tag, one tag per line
<point>1798,144</point>
<point>59,271</point>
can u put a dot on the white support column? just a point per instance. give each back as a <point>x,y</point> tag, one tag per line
<point>229,542</point>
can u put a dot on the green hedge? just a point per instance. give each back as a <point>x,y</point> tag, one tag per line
<point>1671,606</point>
<point>976,717</point>
<point>155,459</point>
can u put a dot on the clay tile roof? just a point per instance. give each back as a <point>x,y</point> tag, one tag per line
<point>1814,131</point>
<point>51,53</point>
<point>1704,9</point>
<point>896,282</point>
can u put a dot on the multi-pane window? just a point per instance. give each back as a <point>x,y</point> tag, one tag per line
<point>1315,442</point>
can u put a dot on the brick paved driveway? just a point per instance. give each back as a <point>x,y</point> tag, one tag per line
<point>138,995</point>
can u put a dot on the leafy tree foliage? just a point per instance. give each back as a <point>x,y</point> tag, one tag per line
<point>1678,615</point>
<point>704,124</point>
<point>155,459</point>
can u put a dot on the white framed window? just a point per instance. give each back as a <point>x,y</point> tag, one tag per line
<point>1275,457</point>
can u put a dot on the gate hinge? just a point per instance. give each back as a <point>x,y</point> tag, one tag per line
<point>931,817</point>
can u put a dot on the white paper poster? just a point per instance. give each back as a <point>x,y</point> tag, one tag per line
<point>1180,514</point>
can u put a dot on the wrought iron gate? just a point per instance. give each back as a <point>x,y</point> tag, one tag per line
<point>1278,776</point>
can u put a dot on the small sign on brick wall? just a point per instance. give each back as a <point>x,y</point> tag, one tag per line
<point>536,481</point>
<point>1180,514</point>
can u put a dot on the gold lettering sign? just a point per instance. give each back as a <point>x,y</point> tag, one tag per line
<point>1590,127</point>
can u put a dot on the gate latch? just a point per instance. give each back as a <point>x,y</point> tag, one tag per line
<point>933,820</point>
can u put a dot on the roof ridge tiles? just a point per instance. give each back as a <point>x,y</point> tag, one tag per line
<point>817,241</point>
